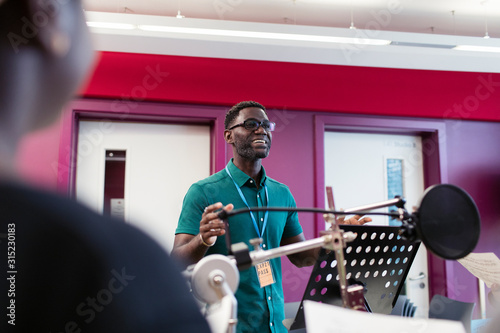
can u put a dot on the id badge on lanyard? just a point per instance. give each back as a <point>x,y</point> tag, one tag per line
<point>264,270</point>
<point>265,273</point>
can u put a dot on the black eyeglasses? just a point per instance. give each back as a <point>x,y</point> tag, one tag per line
<point>253,125</point>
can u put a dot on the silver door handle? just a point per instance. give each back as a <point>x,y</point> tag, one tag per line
<point>419,277</point>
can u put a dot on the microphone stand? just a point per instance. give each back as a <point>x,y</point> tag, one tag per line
<point>334,239</point>
<point>209,277</point>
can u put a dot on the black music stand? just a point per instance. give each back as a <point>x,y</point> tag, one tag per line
<point>379,259</point>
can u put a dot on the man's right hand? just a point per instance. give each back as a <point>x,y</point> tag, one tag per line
<point>210,225</point>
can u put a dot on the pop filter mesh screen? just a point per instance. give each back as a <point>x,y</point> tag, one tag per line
<point>448,221</point>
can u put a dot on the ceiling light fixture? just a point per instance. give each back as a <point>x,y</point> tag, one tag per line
<point>484,3</point>
<point>264,35</point>
<point>169,27</point>
<point>294,11</point>
<point>179,15</point>
<point>352,18</point>
<point>454,25</point>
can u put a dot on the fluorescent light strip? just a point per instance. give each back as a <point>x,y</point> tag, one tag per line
<point>264,35</point>
<point>477,48</point>
<point>273,35</point>
<point>110,25</point>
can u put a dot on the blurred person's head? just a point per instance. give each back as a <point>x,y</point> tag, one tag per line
<point>45,53</point>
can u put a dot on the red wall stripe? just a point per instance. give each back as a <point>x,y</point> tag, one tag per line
<point>298,86</point>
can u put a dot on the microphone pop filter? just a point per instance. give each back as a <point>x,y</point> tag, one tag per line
<point>448,221</point>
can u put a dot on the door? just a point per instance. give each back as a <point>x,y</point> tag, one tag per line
<point>369,168</point>
<point>141,171</point>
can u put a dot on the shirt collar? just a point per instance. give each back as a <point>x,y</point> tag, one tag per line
<point>241,178</point>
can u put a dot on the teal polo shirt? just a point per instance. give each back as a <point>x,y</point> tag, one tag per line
<point>259,309</point>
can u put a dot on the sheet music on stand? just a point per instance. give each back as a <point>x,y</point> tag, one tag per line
<point>324,318</point>
<point>379,259</point>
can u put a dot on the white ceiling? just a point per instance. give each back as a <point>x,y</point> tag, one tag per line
<point>448,17</point>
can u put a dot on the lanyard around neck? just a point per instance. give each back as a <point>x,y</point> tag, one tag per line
<point>246,203</point>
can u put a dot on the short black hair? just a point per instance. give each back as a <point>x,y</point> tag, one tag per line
<point>233,112</point>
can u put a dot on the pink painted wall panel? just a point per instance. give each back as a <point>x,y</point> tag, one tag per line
<point>38,156</point>
<point>474,164</point>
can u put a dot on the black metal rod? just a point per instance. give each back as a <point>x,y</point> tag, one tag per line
<point>224,214</point>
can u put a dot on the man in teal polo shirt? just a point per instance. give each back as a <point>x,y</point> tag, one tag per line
<point>244,183</point>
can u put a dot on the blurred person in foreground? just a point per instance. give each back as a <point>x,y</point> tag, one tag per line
<point>64,268</point>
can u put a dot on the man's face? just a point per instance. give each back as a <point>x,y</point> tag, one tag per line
<point>251,145</point>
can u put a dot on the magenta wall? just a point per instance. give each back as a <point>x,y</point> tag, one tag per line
<point>468,104</point>
<point>38,157</point>
<point>474,164</point>
<point>292,162</point>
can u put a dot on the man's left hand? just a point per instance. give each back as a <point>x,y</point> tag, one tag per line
<point>354,220</point>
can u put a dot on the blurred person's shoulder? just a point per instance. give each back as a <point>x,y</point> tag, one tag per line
<point>96,273</point>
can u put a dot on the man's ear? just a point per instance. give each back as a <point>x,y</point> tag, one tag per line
<point>228,136</point>
<point>45,16</point>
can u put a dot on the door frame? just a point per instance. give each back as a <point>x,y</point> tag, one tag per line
<point>126,110</point>
<point>433,133</point>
